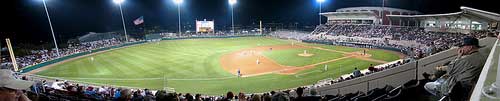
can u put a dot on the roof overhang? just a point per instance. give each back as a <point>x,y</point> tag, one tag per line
<point>466,12</point>
<point>347,13</point>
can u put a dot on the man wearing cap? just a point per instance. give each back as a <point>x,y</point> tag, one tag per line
<point>11,88</point>
<point>463,72</point>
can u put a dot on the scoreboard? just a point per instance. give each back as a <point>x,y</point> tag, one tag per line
<point>205,26</point>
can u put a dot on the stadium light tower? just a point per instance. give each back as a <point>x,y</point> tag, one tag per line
<point>178,3</point>
<point>51,29</point>
<point>119,2</point>
<point>232,3</point>
<point>382,14</point>
<point>320,3</point>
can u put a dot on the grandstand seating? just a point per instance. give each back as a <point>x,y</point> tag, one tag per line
<point>401,76</point>
<point>92,36</point>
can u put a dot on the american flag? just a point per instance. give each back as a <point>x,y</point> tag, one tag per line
<point>139,20</point>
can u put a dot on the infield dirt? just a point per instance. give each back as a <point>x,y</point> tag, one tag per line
<point>252,62</point>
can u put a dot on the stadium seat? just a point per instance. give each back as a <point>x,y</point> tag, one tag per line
<point>410,90</point>
<point>394,95</point>
<point>357,96</point>
<point>380,98</point>
<point>374,93</point>
<point>337,98</point>
<point>329,97</point>
<point>349,96</point>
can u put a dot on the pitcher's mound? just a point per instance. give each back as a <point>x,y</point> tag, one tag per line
<point>305,55</point>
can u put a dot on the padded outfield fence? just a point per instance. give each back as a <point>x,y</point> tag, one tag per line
<point>406,52</point>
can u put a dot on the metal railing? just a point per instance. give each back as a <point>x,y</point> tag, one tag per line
<point>487,86</point>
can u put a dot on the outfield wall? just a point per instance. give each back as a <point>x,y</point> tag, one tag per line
<point>399,75</point>
<point>358,44</point>
<point>40,65</point>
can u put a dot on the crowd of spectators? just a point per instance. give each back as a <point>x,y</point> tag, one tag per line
<point>426,42</point>
<point>43,90</point>
<point>288,34</point>
<point>40,56</point>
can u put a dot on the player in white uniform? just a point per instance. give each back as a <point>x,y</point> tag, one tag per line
<point>326,68</point>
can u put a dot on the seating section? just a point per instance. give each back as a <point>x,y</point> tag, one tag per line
<point>409,91</point>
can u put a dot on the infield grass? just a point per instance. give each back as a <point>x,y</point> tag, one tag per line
<point>290,57</point>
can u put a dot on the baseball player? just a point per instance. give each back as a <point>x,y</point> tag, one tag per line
<point>239,72</point>
<point>326,68</point>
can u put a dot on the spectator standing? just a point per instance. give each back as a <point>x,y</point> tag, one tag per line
<point>300,93</point>
<point>229,96</point>
<point>197,97</point>
<point>356,72</point>
<point>314,96</point>
<point>256,97</point>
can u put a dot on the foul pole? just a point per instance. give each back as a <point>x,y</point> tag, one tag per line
<point>11,52</point>
<point>260,25</point>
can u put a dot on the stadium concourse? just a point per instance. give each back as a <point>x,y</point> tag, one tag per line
<point>414,41</point>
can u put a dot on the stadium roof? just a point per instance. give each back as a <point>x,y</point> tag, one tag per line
<point>466,12</point>
<point>349,13</point>
<point>354,9</point>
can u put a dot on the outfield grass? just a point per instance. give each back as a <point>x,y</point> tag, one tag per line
<point>256,84</point>
<point>338,48</point>
<point>385,55</point>
<point>189,66</point>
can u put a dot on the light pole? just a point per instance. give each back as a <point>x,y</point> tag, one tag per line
<point>320,3</point>
<point>232,3</point>
<point>382,14</point>
<point>178,3</point>
<point>51,29</point>
<point>119,2</point>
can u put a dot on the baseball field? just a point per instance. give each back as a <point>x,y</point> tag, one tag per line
<point>210,66</point>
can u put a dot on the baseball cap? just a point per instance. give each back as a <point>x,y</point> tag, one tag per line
<point>9,81</point>
<point>468,41</point>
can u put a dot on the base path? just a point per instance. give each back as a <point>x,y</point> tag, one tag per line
<point>252,62</point>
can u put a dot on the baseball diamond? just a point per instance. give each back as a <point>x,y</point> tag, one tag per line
<point>211,67</point>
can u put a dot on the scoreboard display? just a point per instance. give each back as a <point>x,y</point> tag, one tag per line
<point>205,26</point>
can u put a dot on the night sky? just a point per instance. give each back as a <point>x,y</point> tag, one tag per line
<point>25,20</point>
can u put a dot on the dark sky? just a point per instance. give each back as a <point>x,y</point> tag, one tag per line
<point>25,19</point>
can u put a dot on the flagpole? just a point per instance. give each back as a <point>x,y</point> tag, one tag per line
<point>144,25</point>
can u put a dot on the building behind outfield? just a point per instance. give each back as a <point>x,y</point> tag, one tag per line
<point>464,21</point>
<point>366,15</point>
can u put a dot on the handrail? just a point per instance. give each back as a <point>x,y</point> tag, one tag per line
<point>480,85</point>
<point>370,79</point>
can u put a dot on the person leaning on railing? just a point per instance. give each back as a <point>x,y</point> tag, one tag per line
<point>461,74</point>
